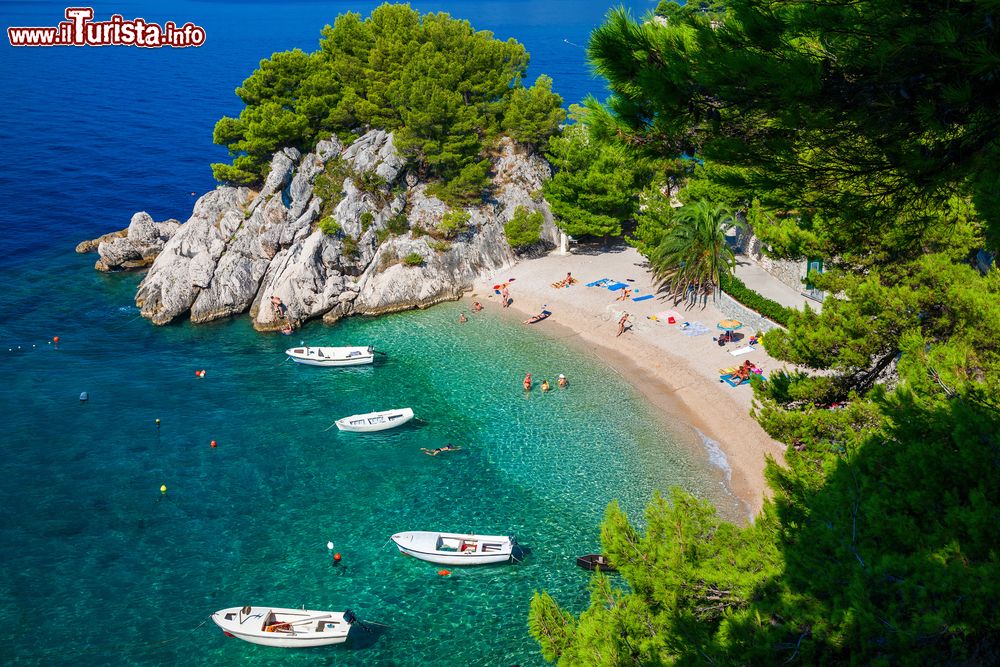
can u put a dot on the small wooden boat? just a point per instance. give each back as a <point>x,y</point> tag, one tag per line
<point>375,421</point>
<point>594,561</point>
<point>455,548</point>
<point>332,356</point>
<point>285,628</point>
<point>539,317</point>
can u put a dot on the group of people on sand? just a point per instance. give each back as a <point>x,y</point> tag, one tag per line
<point>562,382</point>
<point>743,373</point>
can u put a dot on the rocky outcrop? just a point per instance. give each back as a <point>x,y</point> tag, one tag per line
<point>287,256</point>
<point>134,247</point>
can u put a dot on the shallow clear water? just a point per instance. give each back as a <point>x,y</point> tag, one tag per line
<point>99,568</point>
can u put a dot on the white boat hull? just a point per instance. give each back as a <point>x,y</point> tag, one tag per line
<point>331,356</point>
<point>455,548</point>
<point>290,628</point>
<point>375,421</point>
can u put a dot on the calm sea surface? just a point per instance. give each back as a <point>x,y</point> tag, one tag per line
<point>97,566</point>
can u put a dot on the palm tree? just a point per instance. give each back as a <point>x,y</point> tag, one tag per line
<point>693,254</point>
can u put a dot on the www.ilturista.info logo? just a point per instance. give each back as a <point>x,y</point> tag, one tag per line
<point>79,29</point>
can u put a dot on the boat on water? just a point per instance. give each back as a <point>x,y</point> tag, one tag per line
<point>375,421</point>
<point>594,561</point>
<point>285,628</point>
<point>332,356</point>
<point>455,548</point>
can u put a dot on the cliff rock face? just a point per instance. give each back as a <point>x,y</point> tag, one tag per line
<point>286,255</point>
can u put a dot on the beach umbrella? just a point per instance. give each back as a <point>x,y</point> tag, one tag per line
<point>730,325</point>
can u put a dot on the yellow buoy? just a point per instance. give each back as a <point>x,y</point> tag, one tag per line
<point>163,488</point>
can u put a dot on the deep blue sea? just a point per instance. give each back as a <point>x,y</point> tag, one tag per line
<point>97,566</point>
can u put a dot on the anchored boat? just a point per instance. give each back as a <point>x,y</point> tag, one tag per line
<point>332,356</point>
<point>455,548</point>
<point>375,421</point>
<point>594,561</point>
<point>285,628</point>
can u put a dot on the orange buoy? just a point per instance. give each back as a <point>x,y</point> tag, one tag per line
<point>444,573</point>
<point>336,557</point>
<point>213,443</point>
<point>55,339</point>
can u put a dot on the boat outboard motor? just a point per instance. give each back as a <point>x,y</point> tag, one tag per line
<point>350,617</point>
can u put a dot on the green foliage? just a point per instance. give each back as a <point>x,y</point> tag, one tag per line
<point>466,188</point>
<point>848,131</point>
<point>772,310</point>
<point>349,246</point>
<point>329,185</point>
<point>438,245</point>
<point>454,223</point>
<point>366,221</point>
<point>534,114</point>
<point>413,259</point>
<point>594,188</point>
<point>692,253</point>
<point>524,228</point>
<point>891,114</point>
<point>329,226</point>
<point>397,225</point>
<point>444,89</point>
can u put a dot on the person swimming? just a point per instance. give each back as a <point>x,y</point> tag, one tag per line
<point>563,382</point>
<point>545,385</point>
<point>434,452</point>
<point>527,382</point>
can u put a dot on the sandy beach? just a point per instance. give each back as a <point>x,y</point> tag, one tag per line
<point>677,373</point>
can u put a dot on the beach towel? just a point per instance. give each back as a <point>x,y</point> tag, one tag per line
<point>743,350</point>
<point>614,287</point>
<point>728,379</point>
<point>599,283</point>
<point>694,329</point>
<point>643,297</point>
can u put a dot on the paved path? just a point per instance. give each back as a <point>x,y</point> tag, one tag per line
<point>762,282</point>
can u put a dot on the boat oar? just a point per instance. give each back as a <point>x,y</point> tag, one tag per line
<point>309,620</point>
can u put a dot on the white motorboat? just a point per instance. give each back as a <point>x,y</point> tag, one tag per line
<point>375,421</point>
<point>332,356</point>
<point>285,628</point>
<point>455,548</point>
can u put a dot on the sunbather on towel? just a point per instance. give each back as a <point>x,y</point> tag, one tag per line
<point>626,293</point>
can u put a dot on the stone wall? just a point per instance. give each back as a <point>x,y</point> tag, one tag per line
<point>791,273</point>
<point>753,320</point>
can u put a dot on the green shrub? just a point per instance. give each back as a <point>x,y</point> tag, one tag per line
<point>440,246</point>
<point>329,185</point>
<point>772,310</point>
<point>524,229</point>
<point>366,221</point>
<point>349,246</point>
<point>413,259</point>
<point>381,235</point>
<point>370,182</point>
<point>398,225</point>
<point>330,226</point>
<point>454,223</point>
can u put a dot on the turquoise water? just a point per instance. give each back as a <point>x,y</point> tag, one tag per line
<point>88,538</point>
<point>97,567</point>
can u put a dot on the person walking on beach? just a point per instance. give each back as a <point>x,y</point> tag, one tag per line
<point>505,295</point>
<point>621,325</point>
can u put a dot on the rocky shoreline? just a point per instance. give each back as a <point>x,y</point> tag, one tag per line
<point>323,251</point>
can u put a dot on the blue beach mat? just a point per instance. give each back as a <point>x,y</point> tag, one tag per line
<point>616,286</point>
<point>728,379</point>
<point>599,283</point>
<point>643,297</point>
